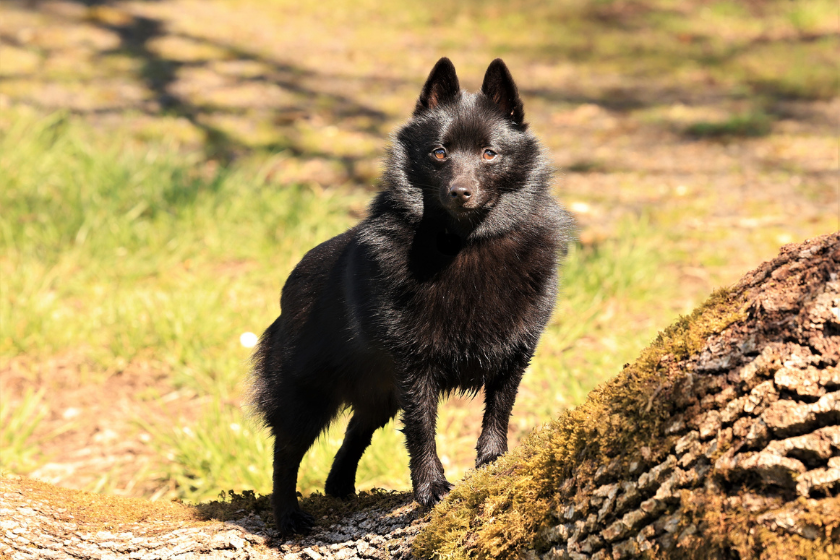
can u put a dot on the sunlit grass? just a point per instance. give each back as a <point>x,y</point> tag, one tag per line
<point>777,48</point>
<point>227,449</point>
<point>18,422</point>
<point>113,253</point>
<point>750,124</point>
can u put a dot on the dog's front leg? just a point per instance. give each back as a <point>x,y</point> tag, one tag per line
<point>499,396</point>
<point>419,403</point>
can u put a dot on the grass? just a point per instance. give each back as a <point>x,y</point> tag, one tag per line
<point>18,422</point>
<point>746,125</point>
<point>226,449</point>
<point>237,90</point>
<point>112,253</point>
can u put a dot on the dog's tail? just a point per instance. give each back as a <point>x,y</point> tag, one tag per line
<point>264,376</point>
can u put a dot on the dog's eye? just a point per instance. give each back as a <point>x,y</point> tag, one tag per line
<point>439,153</point>
<point>488,155</point>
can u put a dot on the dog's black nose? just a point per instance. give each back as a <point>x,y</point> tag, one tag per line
<point>460,192</point>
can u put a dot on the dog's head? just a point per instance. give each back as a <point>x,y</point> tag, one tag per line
<point>468,154</point>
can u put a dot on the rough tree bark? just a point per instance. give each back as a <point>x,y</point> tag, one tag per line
<point>746,465</point>
<point>754,471</point>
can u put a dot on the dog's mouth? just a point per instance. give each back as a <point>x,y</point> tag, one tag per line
<point>467,207</point>
<point>474,211</point>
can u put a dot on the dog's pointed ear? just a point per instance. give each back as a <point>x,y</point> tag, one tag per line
<point>441,85</point>
<point>500,88</point>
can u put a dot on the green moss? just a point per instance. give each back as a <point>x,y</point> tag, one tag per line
<point>499,509</point>
<point>230,505</point>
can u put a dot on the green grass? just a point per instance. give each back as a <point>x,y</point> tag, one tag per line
<point>227,449</point>
<point>18,422</point>
<point>746,125</point>
<point>645,50</point>
<point>588,339</point>
<point>111,253</point>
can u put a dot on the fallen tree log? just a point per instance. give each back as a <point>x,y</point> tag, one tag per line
<point>38,520</point>
<point>722,441</point>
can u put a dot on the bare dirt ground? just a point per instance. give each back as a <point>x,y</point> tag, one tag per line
<point>325,95</point>
<point>90,436</point>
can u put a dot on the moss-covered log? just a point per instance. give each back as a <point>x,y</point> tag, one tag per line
<point>722,441</point>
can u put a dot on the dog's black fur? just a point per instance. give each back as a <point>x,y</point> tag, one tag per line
<point>445,286</point>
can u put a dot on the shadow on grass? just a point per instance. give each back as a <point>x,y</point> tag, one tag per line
<point>750,125</point>
<point>158,74</point>
<point>641,38</point>
<point>775,57</point>
<point>587,166</point>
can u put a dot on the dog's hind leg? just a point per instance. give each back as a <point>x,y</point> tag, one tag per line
<point>302,421</point>
<point>341,481</point>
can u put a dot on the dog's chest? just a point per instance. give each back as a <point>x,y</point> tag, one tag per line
<point>483,300</point>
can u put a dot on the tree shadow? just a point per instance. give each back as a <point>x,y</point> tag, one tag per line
<point>771,68</point>
<point>253,513</point>
<point>160,74</point>
<point>320,98</point>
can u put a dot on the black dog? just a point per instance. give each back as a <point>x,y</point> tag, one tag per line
<point>445,286</point>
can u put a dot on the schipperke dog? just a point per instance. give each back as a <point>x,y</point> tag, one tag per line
<point>445,286</point>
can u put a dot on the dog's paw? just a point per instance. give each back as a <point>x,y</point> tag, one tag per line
<point>295,522</point>
<point>490,446</point>
<point>486,459</point>
<point>430,493</point>
<point>339,489</point>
